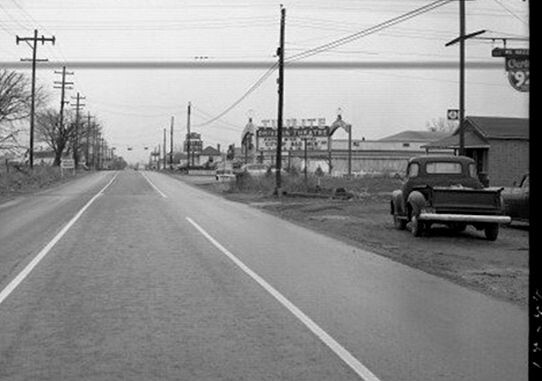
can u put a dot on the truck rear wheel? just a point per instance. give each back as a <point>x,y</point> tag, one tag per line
<point>491,231</point>
<point>399,223</point>
<point>416,226</point>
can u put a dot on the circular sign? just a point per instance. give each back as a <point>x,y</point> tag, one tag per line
<point>519,79</point>
<point>453,114</point>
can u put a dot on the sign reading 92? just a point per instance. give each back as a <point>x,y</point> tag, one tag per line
<point>519,79</point>
<point>518,72</point>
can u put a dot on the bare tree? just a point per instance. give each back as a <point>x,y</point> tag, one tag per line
<point>15,100</point>
<point>61,139</point>
<point>14,96</point>
<point>441,125</point>
<point>50,131</point>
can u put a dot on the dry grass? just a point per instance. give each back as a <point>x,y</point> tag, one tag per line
<point>23,180</point>
<point>375,184</point>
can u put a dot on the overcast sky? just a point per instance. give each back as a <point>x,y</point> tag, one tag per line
<point>135,105</point>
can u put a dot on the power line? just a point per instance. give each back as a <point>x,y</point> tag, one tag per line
<point>11,17</point>
<point>368,31</point>
<point>251,89</point>
<point>209,115</point>
<point>511,12</point>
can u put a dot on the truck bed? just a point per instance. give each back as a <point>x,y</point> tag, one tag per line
<point>465,200</point>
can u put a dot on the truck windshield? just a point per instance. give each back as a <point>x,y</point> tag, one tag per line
<point>443,168</point>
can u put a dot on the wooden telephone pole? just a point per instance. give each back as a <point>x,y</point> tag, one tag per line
<point>280,53</point>
<point>77,106</point>
<point>34,46</point>
<point>171,143</point>
<point>188,137</point>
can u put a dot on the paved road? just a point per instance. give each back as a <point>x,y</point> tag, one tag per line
<point>159,280</point>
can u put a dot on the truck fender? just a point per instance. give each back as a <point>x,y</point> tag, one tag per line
<point>416,200</point>
<point>397,205</point>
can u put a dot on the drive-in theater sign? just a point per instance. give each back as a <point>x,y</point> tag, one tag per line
<point>294,136</point>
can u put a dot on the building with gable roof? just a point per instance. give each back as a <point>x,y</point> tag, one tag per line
<point>500,147</point>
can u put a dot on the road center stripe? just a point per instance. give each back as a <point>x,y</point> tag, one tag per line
<point>152,184</point>
<point>24,273</point>
<point>339,350</point>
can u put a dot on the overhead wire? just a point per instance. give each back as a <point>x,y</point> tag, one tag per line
<point>250,90</point>
<point>512,13</point>
<point>352,37</point>
<point>331,45</point>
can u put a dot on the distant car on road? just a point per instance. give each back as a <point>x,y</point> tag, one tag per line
<point>255,169</point>
<point>516,200</point>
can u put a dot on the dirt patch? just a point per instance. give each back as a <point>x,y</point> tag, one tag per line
<point>499,268</point>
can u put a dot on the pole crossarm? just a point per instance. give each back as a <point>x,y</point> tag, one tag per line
<point>465,37</point>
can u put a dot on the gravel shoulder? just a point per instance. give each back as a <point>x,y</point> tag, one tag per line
<point>499,268</point>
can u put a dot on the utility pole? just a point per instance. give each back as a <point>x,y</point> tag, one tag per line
<point>306,159</point>
<point>34,48</point>
<point>63,86</point>
<point>102,154</point>
<point>165,149</point>
<point>171,144</point>
<point>349,151</point>
<point>280,53</point>
<point>461,77</point>
<point>78,106</point>
<point>461,39</point>
<point>188,136</point>
<point>158,159</point>
<point>89,130</point>
<point>96,151</point>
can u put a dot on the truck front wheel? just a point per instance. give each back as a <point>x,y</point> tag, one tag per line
<point>491,231</point>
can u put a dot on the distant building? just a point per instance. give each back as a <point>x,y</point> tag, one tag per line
<point>500,147</point>
<point>210,155</point>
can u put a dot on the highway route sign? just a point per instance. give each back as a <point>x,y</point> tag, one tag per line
<point>518,72</point>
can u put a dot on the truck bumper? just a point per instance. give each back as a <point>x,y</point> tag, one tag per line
<point>469,218</point>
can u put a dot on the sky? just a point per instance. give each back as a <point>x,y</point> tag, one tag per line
<point>134,105</point>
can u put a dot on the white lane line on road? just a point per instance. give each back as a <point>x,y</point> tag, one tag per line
<point>24,273</point>
<point>339,350</point>
<point>152,184</point>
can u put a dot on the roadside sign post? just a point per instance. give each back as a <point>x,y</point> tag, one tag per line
<point>67,164</point>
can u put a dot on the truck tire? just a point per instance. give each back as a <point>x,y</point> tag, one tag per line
<point>416,226</point>
<point>399,223</point>
<point>491,231</point>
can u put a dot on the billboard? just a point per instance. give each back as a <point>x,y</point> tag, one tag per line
<point>293,138</point>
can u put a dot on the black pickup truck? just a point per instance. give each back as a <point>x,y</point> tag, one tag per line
<point>446,190</point>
